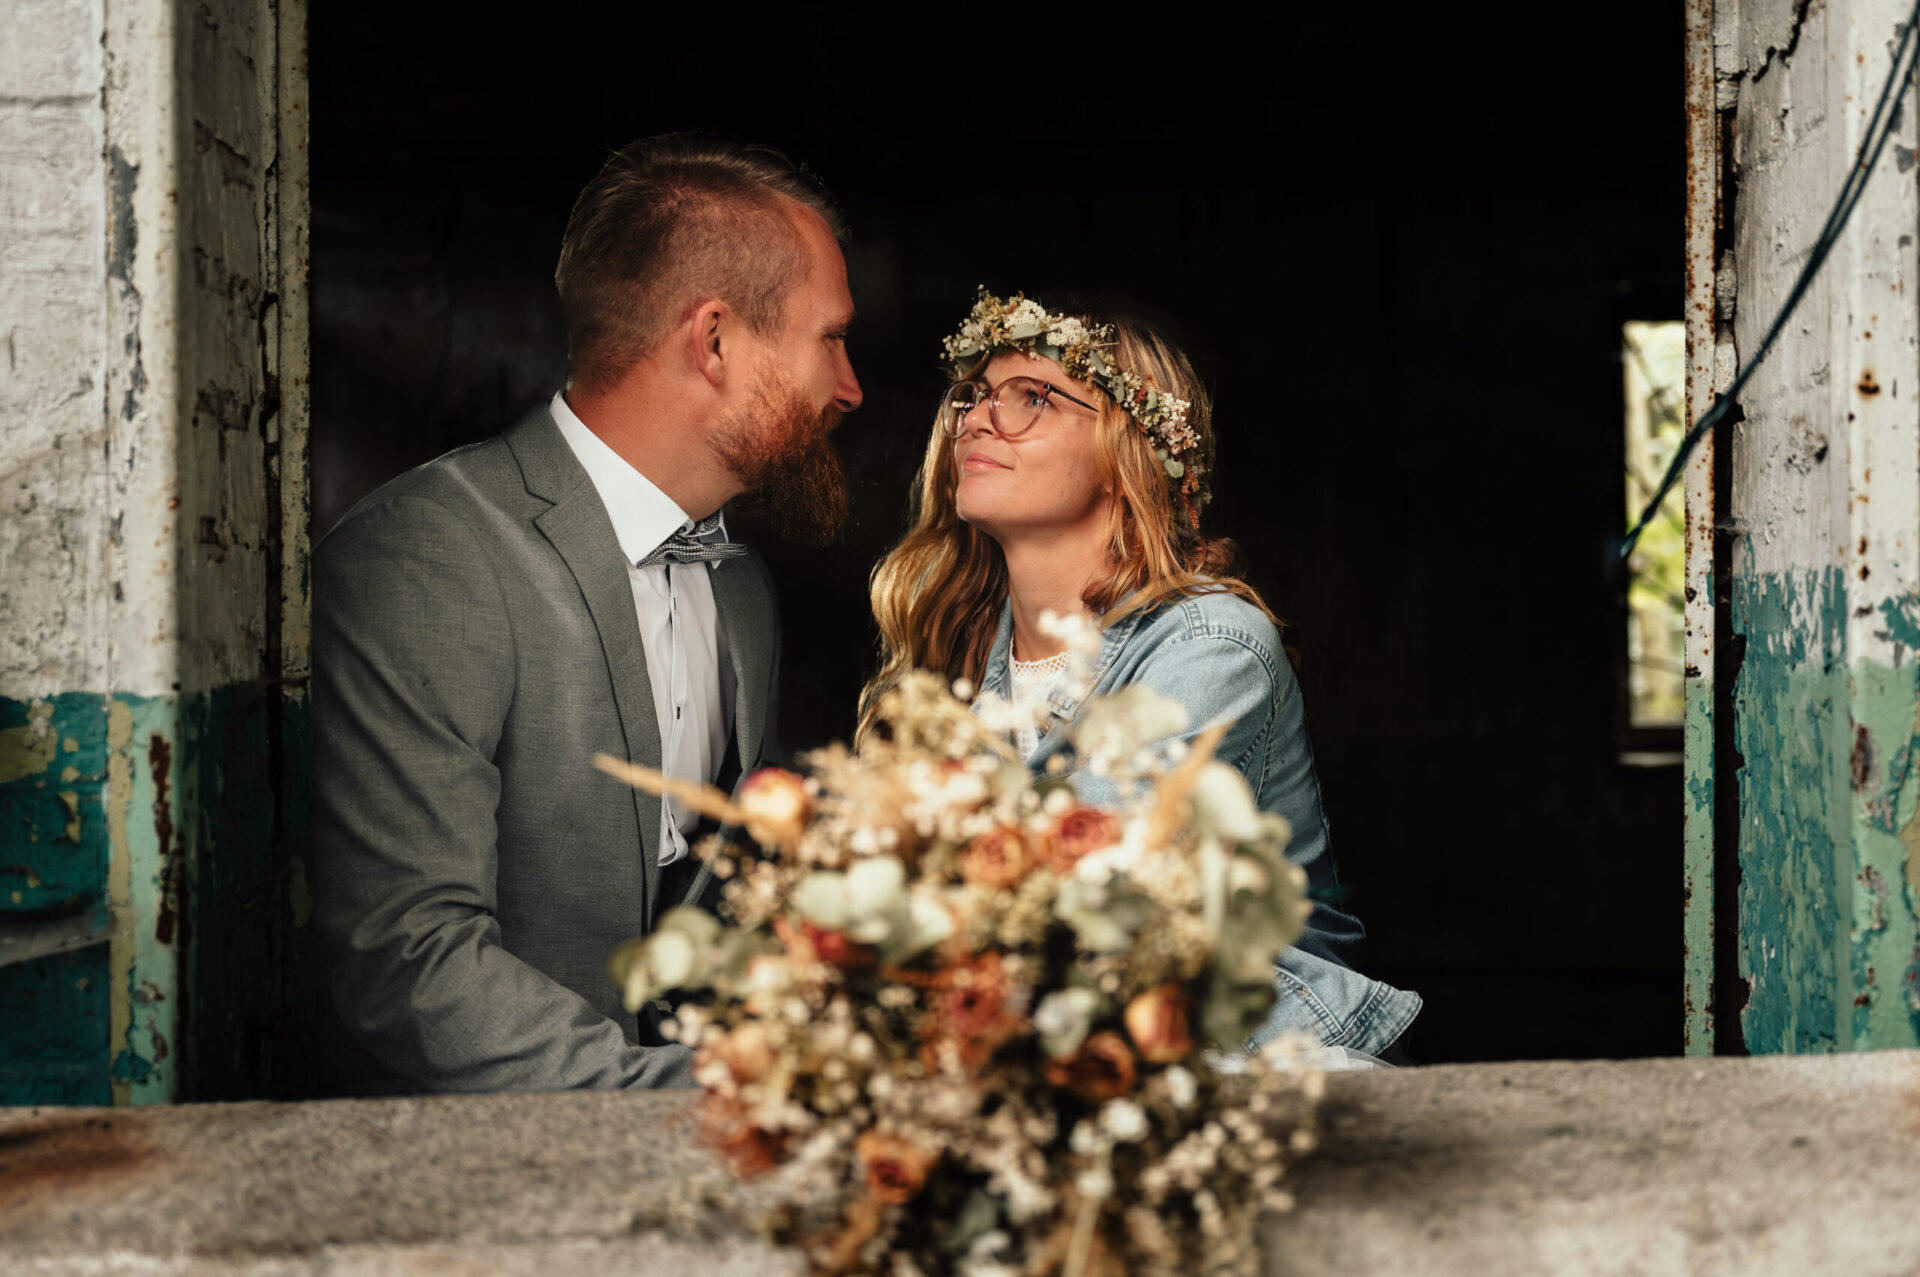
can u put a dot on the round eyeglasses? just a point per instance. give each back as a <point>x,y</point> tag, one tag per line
<point>1013,406</point>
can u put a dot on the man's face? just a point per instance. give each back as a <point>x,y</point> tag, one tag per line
<point>811,354</point>
<point>776,442</point>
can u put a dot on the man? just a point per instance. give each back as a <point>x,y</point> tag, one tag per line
<point>486,623</point>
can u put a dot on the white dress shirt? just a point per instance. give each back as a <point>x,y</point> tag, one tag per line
<point>679,626</point>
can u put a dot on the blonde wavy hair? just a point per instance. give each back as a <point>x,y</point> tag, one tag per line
<point>937,595</point>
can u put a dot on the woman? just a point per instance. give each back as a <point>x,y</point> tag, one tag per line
<point>1067,473</point>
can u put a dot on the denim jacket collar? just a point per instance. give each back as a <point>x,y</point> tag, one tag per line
<point>998,678</point>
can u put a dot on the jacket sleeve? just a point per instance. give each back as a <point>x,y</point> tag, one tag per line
<point>1221,675</point>
<point>413,677</point>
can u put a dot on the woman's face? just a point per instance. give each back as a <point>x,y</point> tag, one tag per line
<point>1044,483</point>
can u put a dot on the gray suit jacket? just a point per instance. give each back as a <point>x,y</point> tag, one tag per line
<point>475,644</point>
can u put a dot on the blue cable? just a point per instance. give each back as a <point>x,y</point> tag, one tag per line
<point>1870,150</point>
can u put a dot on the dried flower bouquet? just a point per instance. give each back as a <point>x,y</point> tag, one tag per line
<point>977,1026</point>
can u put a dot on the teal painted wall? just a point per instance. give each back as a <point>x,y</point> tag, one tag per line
<point>55,1009</point>
<point>1829,888</point>
<point>54,1020</point>
<point>167,836</point>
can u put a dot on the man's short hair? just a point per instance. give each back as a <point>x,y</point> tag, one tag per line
<point>672,220</point>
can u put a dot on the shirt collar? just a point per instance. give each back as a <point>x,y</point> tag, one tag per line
<point>643,516</point>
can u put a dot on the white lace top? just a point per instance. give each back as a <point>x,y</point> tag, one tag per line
<point>1032,681</point>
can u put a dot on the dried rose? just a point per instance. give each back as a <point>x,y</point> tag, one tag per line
<point>973,1008</point>
<point>998,858</point>
<point>1102,1069</point>
<point>746,1053</point>
<point>1157,1022</point>
<point>835,949</point>
<point>896,1167</point>
<point>1081,830</point>
<point>777,806</point>
<point>725,1127</point>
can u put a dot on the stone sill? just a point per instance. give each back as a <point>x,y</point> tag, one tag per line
<point>1785,1165</point>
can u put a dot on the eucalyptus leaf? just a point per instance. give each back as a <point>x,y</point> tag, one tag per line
<point>927,923</point>
<point>699,926</point>
<point>620,961</point>
<point>978,1214</point>
<point>1104,918</point>
<point>821,898</point>
<point>674,959</point>
<point>1233,1012</point>
<point>1097,933</point>
<point>1064,1018</point>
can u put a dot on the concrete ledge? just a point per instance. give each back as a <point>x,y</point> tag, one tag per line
<point>1787,1165</point>
<point>1779,1165</point>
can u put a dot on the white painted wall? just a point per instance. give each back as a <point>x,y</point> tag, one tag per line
<point>142,393</point>
<point>53,263</point>
<point>1815,442</point>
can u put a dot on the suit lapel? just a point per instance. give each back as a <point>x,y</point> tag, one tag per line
<point>740,600</point>
<point>579,530</point>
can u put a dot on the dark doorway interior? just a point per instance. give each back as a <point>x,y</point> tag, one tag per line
<point>1401,251</point>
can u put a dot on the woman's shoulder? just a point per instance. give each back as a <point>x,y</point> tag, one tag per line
<point>1216,620</point>
<point>1213,613</point>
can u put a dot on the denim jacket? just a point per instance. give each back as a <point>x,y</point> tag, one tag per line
<point>1220,656</point>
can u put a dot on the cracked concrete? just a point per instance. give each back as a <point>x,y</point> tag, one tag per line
<point>1786,1165</point>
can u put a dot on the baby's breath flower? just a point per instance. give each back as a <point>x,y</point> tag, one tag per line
<point>1124,1121</point>
<point>1182,1089</point>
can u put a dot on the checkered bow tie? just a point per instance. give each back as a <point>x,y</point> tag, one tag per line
<point>704,543</point>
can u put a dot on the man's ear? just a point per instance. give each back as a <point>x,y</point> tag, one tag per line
<point>711,339</point>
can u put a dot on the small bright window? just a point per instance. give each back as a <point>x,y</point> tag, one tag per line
<point>1654,358</point>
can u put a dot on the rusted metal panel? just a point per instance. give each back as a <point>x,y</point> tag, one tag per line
<point>1703,221</point>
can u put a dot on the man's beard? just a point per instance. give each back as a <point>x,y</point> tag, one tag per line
<point>779,451</point>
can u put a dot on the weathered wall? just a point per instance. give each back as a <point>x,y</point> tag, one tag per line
<point>54,602</point>
<point>1823,501</point>
<point>152,573</point>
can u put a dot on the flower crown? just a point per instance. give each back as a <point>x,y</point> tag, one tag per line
<point>1020,323</point>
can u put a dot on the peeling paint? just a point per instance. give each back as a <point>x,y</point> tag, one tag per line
<point>1824,559</point>
<point>1697,926</point>
<point>145,969</point>
<point>54,1005</point>
<point>1886,914</point>
<point>29,748</point>
<point>1830,802</point>
<point>1791,709</point>
<point>119,798</point>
